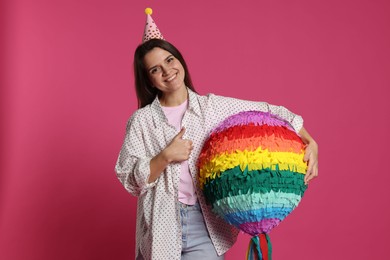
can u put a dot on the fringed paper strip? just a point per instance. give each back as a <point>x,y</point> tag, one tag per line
<point>252,160</point>
<point>252,117</point>
<point>235,182</point>
<point>251,137</point>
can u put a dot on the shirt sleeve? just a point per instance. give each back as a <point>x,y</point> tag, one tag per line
<point>133,164</point>
<point>224,107</point>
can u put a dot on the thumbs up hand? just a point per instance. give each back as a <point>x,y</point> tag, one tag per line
<point>179,149</point>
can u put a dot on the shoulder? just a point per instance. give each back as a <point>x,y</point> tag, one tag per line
<point>214,102</point>
<point>203,101</point>
<point>207,98</point>
<point>139,116</point>
<point>217,100</point>
<point>141,112</point>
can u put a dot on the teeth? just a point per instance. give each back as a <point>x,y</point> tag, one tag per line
<point>171,78</point>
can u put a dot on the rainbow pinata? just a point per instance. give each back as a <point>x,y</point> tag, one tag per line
<point>252,172</point>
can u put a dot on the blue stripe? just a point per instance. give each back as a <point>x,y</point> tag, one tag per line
<point>257,215</point>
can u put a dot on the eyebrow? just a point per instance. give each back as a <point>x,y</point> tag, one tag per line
<point>171,55</point>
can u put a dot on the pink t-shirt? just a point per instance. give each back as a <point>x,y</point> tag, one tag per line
<point>187,193</point>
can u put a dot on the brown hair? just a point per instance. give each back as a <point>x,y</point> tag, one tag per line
<point>146,93</point>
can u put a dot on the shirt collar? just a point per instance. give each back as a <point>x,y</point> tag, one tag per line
<point>159,116</point>
<point>193,102</point>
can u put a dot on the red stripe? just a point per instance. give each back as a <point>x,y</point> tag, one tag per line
<point>263,246</point>
<point>251,130</point>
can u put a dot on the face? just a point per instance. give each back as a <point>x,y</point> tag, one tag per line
<point>165,71</point>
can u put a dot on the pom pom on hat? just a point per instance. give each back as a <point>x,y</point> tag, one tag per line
<point>148,11</point>
<point>151,29</point>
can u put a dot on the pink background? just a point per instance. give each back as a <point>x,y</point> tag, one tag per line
<point>67,92</point>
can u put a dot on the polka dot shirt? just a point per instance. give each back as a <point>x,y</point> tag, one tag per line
<point>158,228</point>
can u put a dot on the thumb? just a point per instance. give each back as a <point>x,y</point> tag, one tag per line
<point>181,133</point>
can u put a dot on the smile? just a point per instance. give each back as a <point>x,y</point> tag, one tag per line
<point>171,78</point>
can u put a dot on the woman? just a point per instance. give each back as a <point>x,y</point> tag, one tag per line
<point>158,158</point>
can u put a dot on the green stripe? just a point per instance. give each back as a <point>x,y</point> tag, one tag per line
<point>236,182</point>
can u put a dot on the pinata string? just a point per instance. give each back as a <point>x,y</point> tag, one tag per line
<point>259,248</point>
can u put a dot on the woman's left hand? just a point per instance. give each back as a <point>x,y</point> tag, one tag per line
<point>311,156</point>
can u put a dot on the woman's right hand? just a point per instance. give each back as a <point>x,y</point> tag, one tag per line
<point>179,149</point>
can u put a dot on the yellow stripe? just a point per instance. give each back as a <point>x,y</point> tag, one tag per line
<point>255,160</point>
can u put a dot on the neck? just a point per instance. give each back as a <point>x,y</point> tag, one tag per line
<point>174,99</point>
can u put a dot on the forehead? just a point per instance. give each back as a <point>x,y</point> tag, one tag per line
<point>155,57</point>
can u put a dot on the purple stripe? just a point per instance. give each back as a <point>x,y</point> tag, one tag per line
<point>264,226</point>
<point>254,117</point>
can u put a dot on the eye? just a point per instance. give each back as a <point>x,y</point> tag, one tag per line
<point>155,70</point>
<point>170,59</point>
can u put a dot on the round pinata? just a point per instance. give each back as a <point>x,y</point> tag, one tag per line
<point>251,171</point>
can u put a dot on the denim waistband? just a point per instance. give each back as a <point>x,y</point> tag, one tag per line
<point>196,206</point>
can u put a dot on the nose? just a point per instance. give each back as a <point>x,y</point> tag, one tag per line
<point>165,70</point>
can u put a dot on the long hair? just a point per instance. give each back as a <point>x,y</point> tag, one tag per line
<point>146,93</point>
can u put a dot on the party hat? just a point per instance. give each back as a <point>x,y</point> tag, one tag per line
<point>151,29</point>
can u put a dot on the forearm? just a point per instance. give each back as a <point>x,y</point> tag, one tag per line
<point>306,138</point>
<point>311,155</point>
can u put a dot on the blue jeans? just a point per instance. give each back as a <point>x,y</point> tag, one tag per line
<point>196,243</point>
